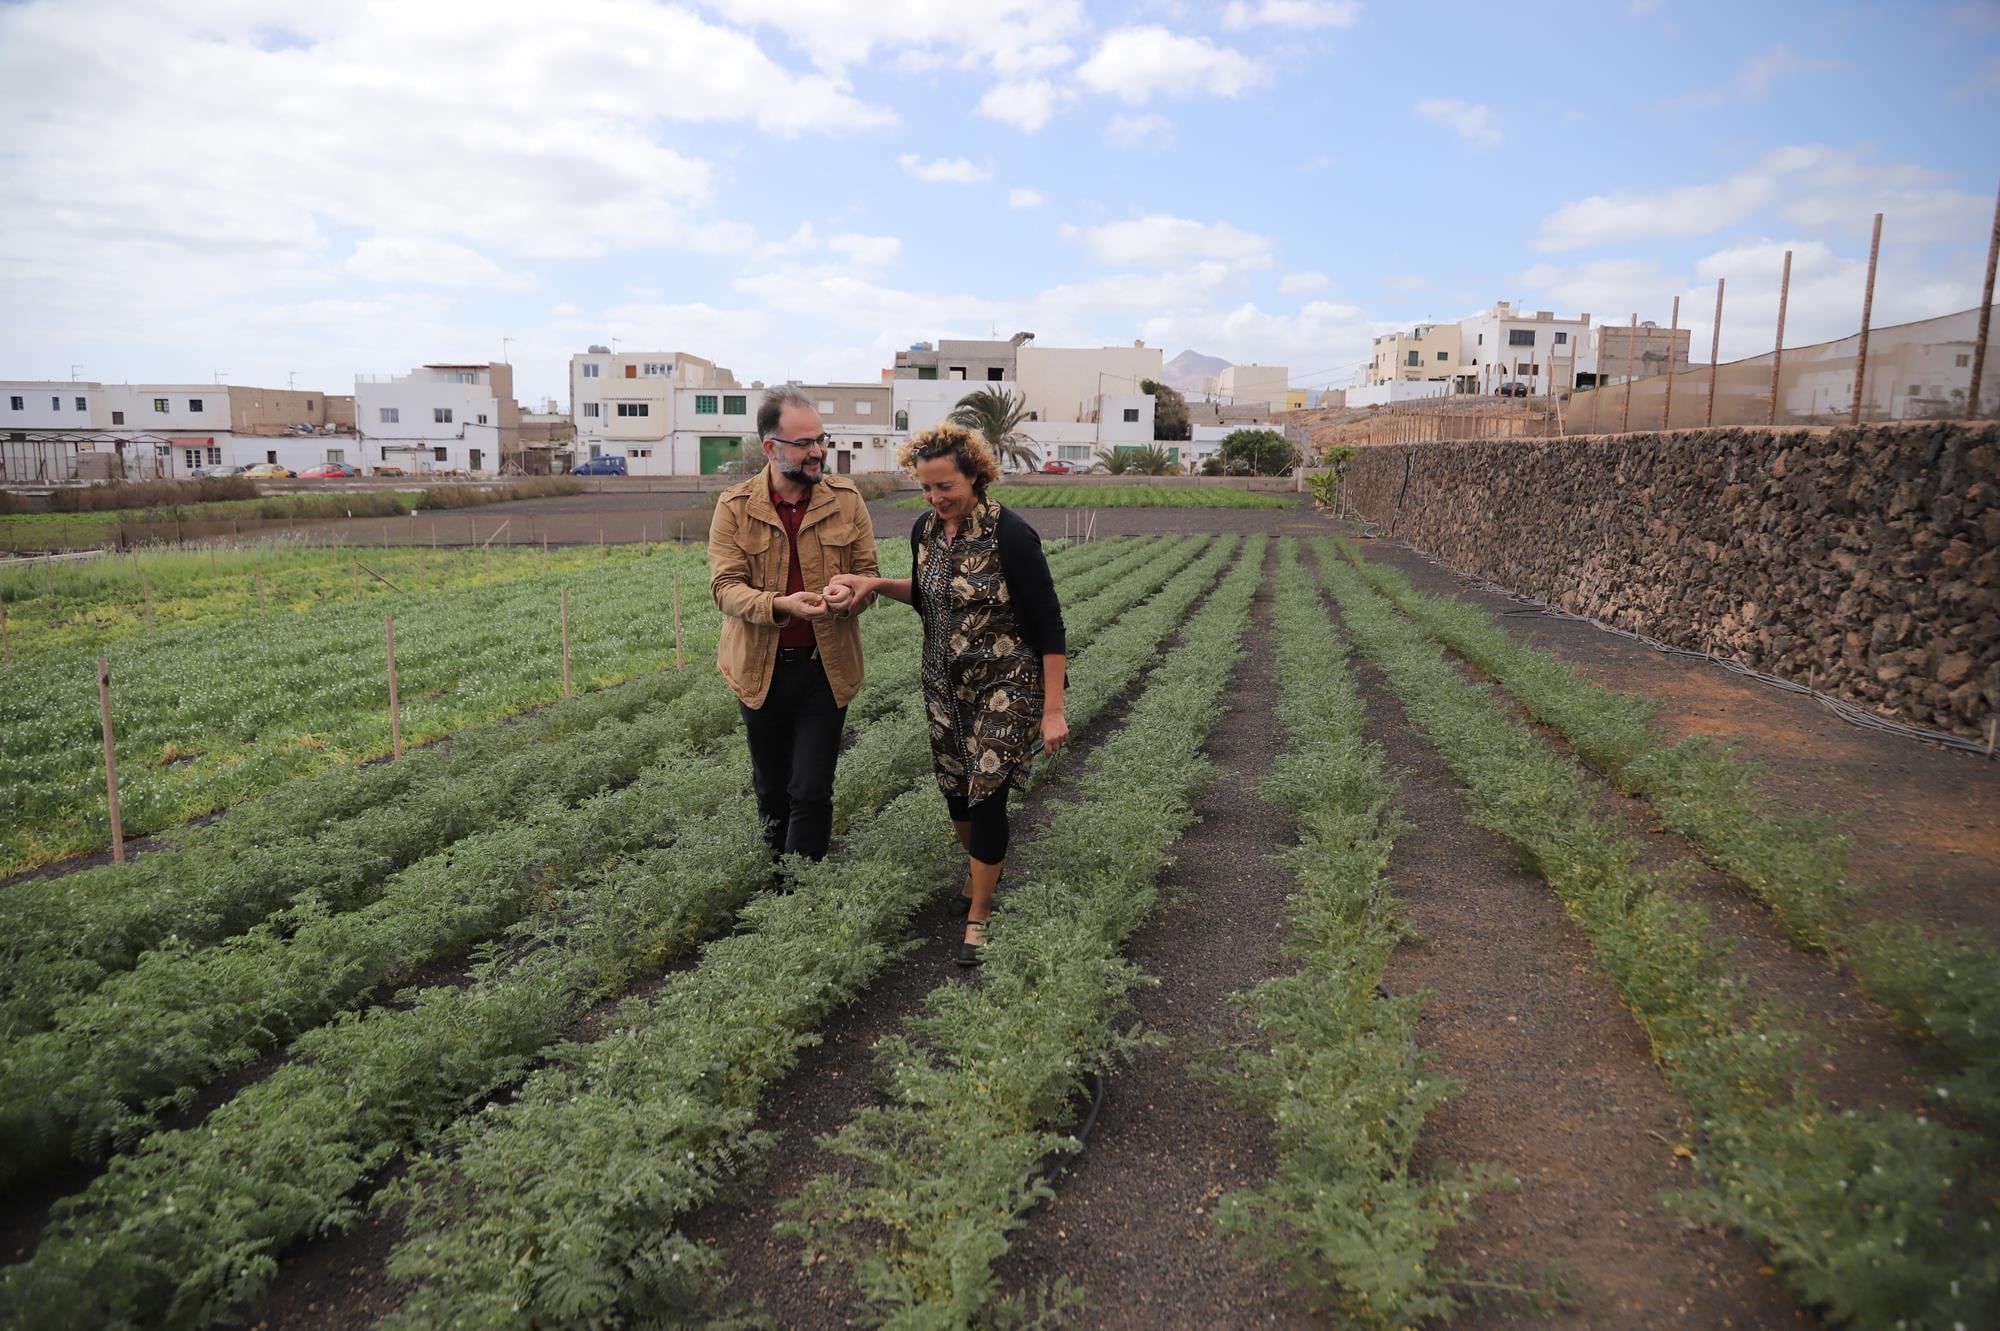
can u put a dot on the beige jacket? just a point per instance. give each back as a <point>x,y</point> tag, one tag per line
<point>748,557</point>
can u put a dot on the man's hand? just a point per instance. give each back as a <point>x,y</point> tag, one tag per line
<point>806,605</point>
<point>848,592</point>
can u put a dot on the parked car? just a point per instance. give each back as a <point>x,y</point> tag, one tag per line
<point>328,471</point>
<point>268,471</point>
<point>611,464</point>
<point>1513,390</point>
<point>736,467</point>
<point>1055,468</point>
<point>390,469</point>
<point>217,471</point>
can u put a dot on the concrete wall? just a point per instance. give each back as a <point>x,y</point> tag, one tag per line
<point>1063,383</point>
<point>1254,386</point>
<point>1864,560</point>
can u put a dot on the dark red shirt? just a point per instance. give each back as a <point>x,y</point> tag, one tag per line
<point>797,632</point>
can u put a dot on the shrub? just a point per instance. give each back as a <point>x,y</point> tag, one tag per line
<point>150,494</point>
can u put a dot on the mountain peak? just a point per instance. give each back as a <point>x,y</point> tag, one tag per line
<point>1189,371</point>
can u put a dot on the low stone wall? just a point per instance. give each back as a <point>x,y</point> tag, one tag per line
<point>1865,561</point>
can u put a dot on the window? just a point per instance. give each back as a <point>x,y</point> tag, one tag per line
<point>927,372</point>
<point>704,404</point>
<point>81,405</point>
<point>118,418</point>
<point>309,404</point>
<point>191,458</point>
<point>631,372</point>
<point>1524,369</point>
<point>392,415</point>
<point>482,418</point>
<point>735,405</point>
<point>194,404</point>
<point>864,408</point>
<point>824,406</point>
<point>1131,415</point>
<point>654,369</point>
<point>635,408</point>
<point>1073,452</point>
<point>993,374</point>
<point>596,450</point>
<point>1416,358</point>
<point>1520,337</point>
<point>1561,337</point>
<point>1482,340</point>
<point>271,456</point>
<point>465,376</point>
<point>957,372</point>
<point>590,410</point>
<point>440,415</point>
<point>590,371</point>
<point>1962,362</point>
<point>439,455</point>
<point>638,452</point>
<point>55,403</point>
<point>15,404</point>
<point>1916,390</point>
<point>1443,355</point>
<point>902,420</point>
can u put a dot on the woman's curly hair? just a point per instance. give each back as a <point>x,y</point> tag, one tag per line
<point>946,440</point>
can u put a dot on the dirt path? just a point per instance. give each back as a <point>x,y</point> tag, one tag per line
<point>1132,1220</point>
<point>1559,1087</point>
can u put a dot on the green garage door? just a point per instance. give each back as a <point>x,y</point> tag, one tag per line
<point>717,449</point>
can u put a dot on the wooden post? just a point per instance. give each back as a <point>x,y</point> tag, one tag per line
<point>1977,386</point>
<point>423,575</point>
<point>1715,351</point>
<point>565,638</point>
<point>258,578</point>
<point>395,701</point>
<point>356,571</point>
<point>1631,372</point>
<point>600,541</point>
<point>434,536</point>
<point>680,659</point>
<point>545,552</point>
<point>1673,340</point>
<point>145,591</point>
<point>1778,351</point>
<point>6,648</point>
<point>110,760</point>
<point>211,561</point>
<point>1867,313</point>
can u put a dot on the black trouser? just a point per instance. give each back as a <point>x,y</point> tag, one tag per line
<point>794,742</point>
<point>988,840</point>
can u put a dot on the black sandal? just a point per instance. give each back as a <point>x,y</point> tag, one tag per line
<point>972,954</point>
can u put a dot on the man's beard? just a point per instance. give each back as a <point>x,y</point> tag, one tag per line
<point>798,475</point>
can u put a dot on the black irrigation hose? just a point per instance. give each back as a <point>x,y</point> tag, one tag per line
<point>1053,1165</point>
<point>1846,711</point>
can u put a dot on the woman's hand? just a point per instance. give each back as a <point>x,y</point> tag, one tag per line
<point>806,605</point>
<point>1055,731</point>
<point>849,592</point>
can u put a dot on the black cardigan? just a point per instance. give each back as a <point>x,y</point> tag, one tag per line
<point>1031,589</point>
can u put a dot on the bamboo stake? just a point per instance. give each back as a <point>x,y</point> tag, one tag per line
<point>395,701</point>
<point>545,552</point>
<point>1867,313</point>
<point>110,760</point>
<point>258,578</point>
<point>1715,352</point>
<point>1778,351</point>
<point>600,541</point>
<point>1673,340</point>
<point>565,638</point>
<point>6,648</point>
<point>1977,386</point>
<point>680,659</point>
<point>423,575</point>
<point>146,591</point>
<point>378,577</point>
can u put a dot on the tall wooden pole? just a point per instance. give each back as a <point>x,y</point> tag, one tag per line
<point>1867,313</point>
<point>1673,340</point>
<point>395,700</point>
<point>565,638</point>
<point>1715,351</point>
<point>1977,385</point>
<point>1631,371</point>
<point>110,760</point>
<point>1778,351</point>
<point>145,592</point>
<point>6,650</point>
<point>680,658</point>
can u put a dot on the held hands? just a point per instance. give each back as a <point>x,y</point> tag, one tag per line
<point>1055,732</point>
<point>806,605</point>
<point>847,593</point>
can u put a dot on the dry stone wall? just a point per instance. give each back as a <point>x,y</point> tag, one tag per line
<point>1864,560</point>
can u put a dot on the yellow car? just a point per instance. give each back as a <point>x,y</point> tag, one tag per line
<point>267,471</point>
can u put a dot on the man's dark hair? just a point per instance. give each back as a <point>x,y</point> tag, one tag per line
<point>773,405</point>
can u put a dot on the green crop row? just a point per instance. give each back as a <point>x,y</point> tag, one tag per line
<point>1061,495</point>
<point>182,1229</point>
<point>1883,1219</point>
<point>1335,1065</point>
<point>982,1086</point>
<point>1945,989</point>
<point>558,1209</point>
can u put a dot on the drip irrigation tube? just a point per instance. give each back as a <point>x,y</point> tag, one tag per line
<point>1846,711</point>
<point>1054,1165</point>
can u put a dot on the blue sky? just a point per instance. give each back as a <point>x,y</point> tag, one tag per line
<point>798,187</point>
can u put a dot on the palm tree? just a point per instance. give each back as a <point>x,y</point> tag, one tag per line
<point>997,415</point>
<point>1151,460</point>
<point>1117,461</point>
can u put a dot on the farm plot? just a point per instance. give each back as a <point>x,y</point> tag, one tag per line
<point>1125,496</point>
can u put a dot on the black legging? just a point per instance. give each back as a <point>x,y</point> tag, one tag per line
<point>988,841</point>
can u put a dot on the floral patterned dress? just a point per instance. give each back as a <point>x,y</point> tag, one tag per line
<point>982,681</point>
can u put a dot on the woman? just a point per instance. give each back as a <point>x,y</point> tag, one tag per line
<point>993,656</point>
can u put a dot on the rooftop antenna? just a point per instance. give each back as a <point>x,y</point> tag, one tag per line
<point>291,379</point>
<point>505,342</point>
<point>75,372</point>
<point>219,374</point>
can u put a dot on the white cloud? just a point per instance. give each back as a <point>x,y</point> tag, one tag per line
<point>1292,13</point>
<point>1297,284</point>
<point>1406,282</point>
<point>867,251</point>
<point>1471,121</point>
<point>945,170</point>
<point>1145,130</point>
<point>1760,71</point>
<point>1809,185</point>
<point>1160,241</point>
<point>1132,64</point>
<point>1026,104</point>
<point>1010,36</point>
<point>423,259</point>
<point>1023,197</point>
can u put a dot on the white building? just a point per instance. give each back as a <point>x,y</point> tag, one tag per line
<point>1254,385</point>
<point>1503,345</point>
<point>1065,383</point>
<point>918,404</point>
<point>456,418</point>
<point>712,426</point>
<point>622,404</point>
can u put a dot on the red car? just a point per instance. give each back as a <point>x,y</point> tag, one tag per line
<point>1056,468</point>
<point>328,471</point>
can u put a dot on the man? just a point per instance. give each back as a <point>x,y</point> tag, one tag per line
<point>793,658</point>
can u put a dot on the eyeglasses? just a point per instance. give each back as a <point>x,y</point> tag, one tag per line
<point>823,440</point>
